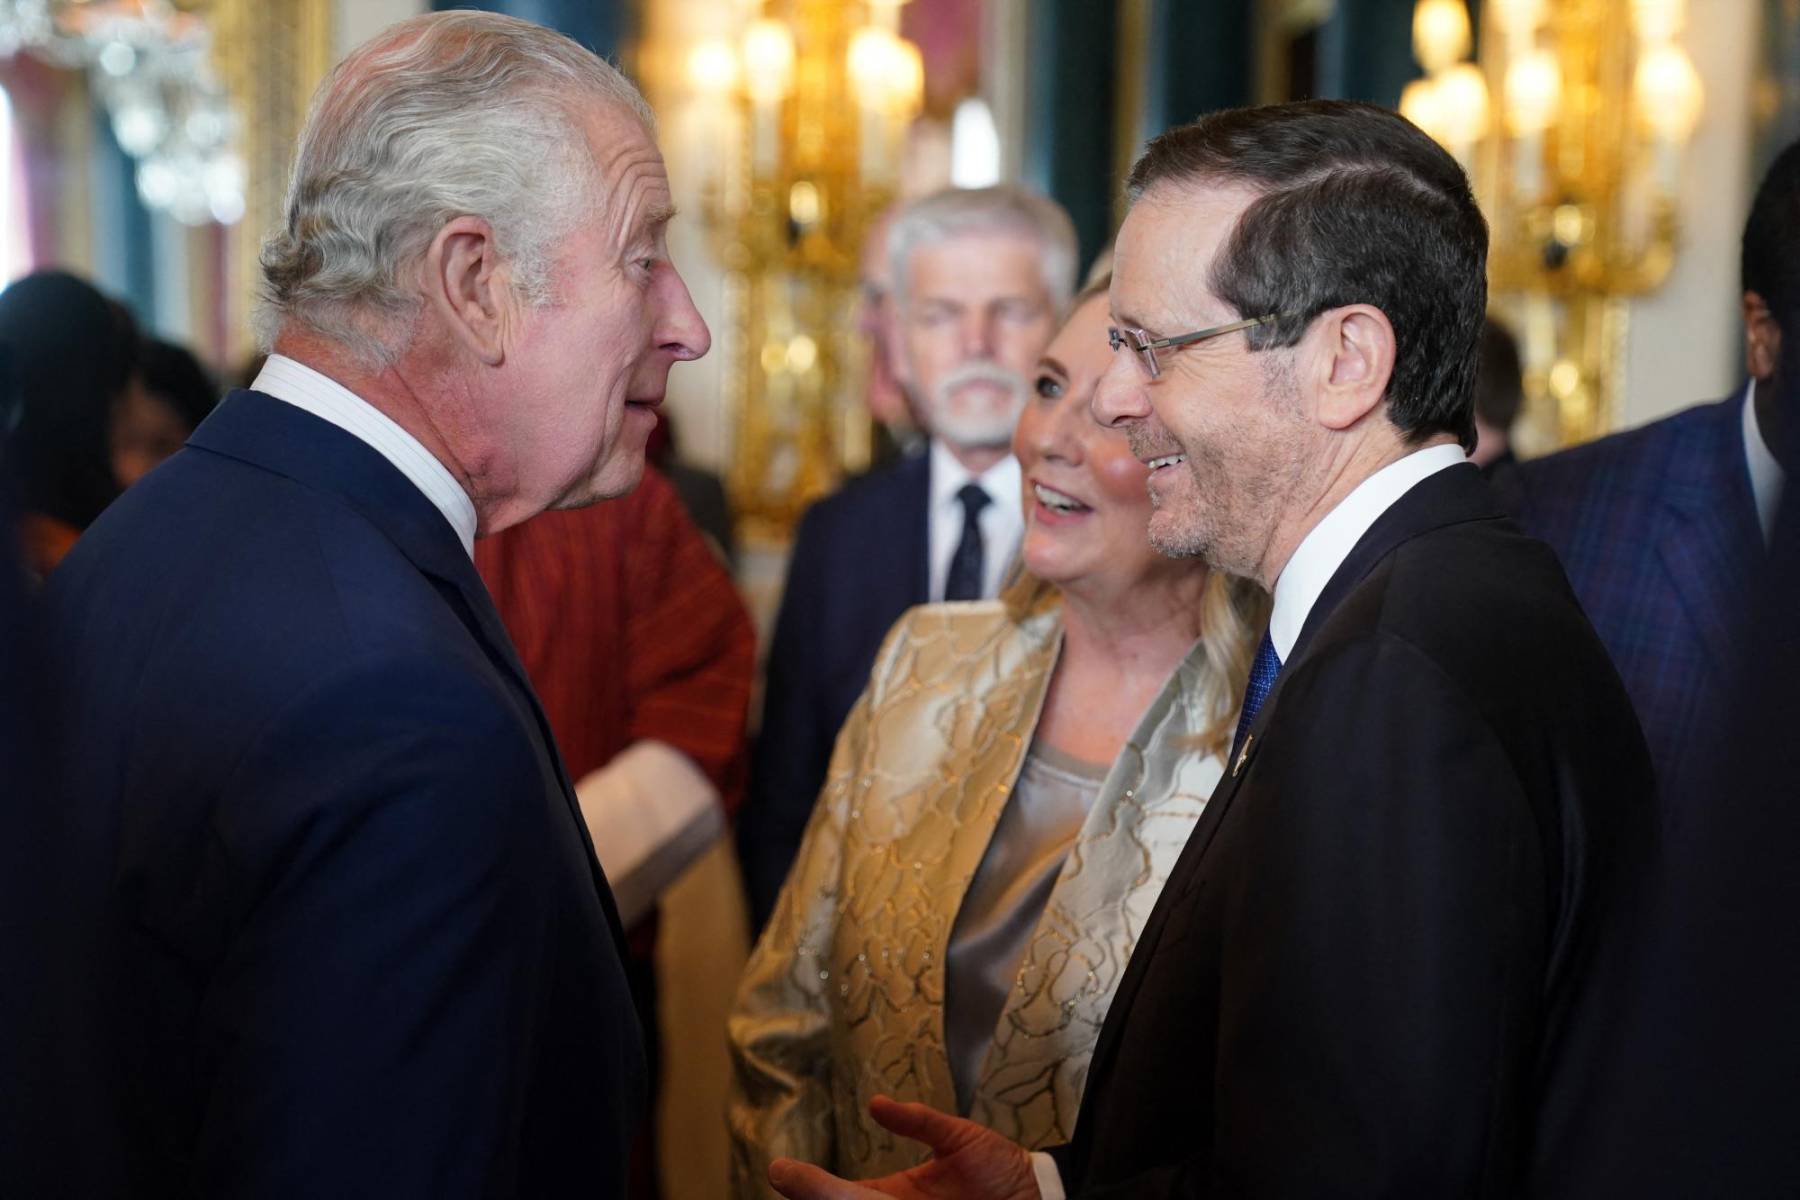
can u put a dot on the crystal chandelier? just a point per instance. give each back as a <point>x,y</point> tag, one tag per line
<point>149,64</point>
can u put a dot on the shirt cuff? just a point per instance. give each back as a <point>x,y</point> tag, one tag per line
<point>1049,1179</point>
<point>650,812</point>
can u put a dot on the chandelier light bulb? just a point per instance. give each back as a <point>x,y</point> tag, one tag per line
<point>768,61</point>
<point>1658,20</point>
<point>1462,105</point>
<point>712,68</point>
<point>1668,92</point>
<point>1533,93</point>
<point>1440,33</point>
<point>1517,18</point>
<point>1420,104</point>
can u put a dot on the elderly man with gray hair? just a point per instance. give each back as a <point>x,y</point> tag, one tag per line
<point>980,280</point>
<point>332,923</point>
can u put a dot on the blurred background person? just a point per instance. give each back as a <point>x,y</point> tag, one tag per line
<point>896,427</point>
<point>1499,394</point>
<point>642,654</point>
<point>153,419</point>
<point>981,277</point>
<point>701,492</point>
<point>1004,805</point>
<point>1663,528</point>
<point>73,357</point>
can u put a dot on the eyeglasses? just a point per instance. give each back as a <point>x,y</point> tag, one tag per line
<point>1145,347</point>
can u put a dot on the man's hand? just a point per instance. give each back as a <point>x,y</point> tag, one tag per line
<point>968,1162</point>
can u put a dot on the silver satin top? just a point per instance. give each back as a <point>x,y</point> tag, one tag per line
<point>1005,900</point>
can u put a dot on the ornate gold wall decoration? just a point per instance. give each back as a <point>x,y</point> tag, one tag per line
<point>805,108</point>
<point>272,54</point>
<point>1572,125</point>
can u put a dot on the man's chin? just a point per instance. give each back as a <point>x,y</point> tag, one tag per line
<point>615,478</point>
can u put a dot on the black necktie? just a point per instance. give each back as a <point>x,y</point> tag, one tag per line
<point>964,580</point>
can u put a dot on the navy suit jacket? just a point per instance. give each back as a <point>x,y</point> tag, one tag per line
<point>860,560</point>
<point>1658,532</point>
<point>334,923</point>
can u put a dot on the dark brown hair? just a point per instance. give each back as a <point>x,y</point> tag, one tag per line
<point>1356,206</point>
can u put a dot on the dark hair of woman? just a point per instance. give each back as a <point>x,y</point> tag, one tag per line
<point>71,354</point>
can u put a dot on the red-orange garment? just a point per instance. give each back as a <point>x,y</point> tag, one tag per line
<point>630,628</point>
<point>44,542</point>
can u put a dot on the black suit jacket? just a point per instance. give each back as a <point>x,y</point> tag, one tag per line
<point>334,926</point>
<point>859,561</point>
<point>1382,965</point>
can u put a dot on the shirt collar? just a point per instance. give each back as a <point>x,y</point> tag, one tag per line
<point>1325,547</point>
<point>297,384</point>
<point>1000,481</point>
<point>1766,476</point>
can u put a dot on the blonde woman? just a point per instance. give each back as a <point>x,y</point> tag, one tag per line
<point>1004,804</point>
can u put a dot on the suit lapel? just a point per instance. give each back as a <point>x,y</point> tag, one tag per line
<point>259,429</point>
<point>916,534</point>
<point>1708,536</point>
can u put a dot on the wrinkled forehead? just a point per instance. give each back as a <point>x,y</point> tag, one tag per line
<point>632,179</point>
<point>1164,255</point>
<point>997,260</point>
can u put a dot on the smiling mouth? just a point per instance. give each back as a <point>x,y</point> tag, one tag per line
<point>1057,501</point>
<point>1167,460</point>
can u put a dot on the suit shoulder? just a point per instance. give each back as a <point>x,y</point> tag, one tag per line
<point>1485,602</point>
<point>877,492</point>
<point>1620,459</point>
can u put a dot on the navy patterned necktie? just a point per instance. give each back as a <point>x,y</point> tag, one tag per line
<point>1262,678</point>
<point>964,579</point>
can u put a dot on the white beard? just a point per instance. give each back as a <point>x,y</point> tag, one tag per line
<point>970,423</point>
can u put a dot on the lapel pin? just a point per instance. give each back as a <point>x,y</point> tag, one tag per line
<point>1242,755</point>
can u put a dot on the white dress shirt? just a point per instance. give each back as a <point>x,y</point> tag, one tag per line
<point>1766,476</point>
<point>1002,522</point>
<point>1323,550</point>
<point>1320,553</point>
<point>299,385</point>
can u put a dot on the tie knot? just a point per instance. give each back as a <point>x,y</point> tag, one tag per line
<point>973,499</point>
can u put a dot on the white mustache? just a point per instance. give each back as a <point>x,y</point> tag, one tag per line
<point>983,373</point>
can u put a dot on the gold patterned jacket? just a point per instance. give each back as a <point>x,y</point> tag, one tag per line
<point>843,995</point>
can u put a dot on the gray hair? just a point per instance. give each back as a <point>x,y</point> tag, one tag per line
<point>1003,208</point>
<point>444,115</point>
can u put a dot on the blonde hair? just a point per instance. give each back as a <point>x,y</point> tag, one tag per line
<point>1233,614</point>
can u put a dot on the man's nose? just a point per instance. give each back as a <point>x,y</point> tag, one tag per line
<point>1119,396</point>
<point>682,331</point>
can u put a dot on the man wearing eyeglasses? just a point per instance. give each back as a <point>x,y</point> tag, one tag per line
<point>1385,962</point>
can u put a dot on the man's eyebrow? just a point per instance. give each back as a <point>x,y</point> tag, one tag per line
<point>1127,321</point>
<point>1049,363</point>
<point>654,218</point>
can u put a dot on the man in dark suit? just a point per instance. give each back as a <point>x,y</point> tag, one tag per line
<point>1663,529</point>
<point>1382,964</point>
<point>980,280</point>
<point>334,926</point>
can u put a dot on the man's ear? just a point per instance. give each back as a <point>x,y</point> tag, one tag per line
<point>469,288</point>
<point>1762,338</point>
<point>1350,361</point>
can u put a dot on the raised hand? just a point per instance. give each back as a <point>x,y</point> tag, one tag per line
<point>968,1162</point>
